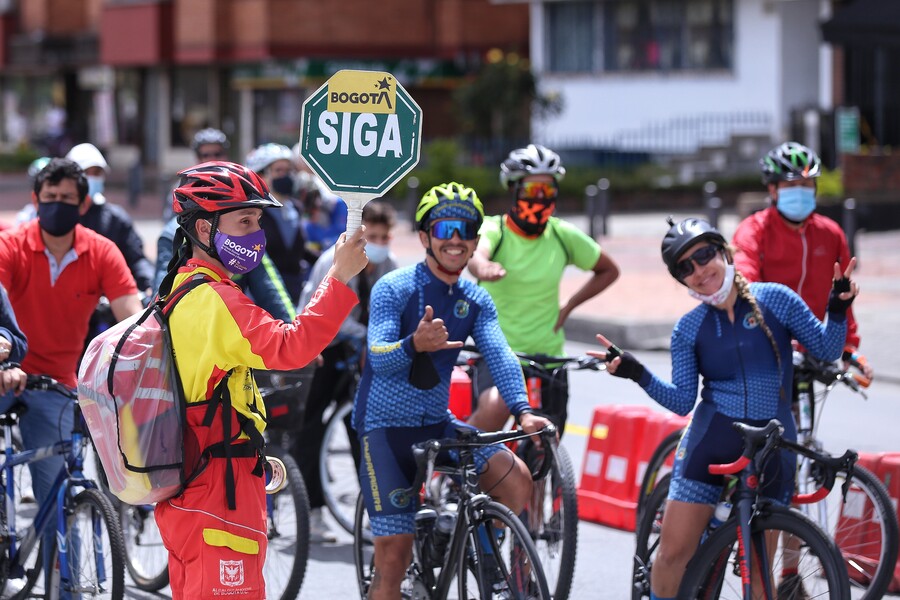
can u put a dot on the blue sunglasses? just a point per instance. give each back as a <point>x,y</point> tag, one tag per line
<point>445,228</point>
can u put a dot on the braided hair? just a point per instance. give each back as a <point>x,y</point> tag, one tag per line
<point>743,289</point>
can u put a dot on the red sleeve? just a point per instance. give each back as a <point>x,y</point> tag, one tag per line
<point>284,346</point>
<point>8,248</point>
<point>115,277</point>
<point>747,241</point>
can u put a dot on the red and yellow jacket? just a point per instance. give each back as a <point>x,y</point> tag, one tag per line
<point>215,329</point>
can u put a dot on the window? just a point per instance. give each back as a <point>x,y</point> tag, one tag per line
<point>639,35</point>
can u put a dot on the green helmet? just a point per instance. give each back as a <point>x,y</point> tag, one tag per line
<point>449,200</point>
<point>789,162</point>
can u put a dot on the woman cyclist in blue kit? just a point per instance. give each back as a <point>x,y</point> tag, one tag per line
<point>739,341</point>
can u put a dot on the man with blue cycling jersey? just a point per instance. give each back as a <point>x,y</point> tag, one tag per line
<point>419,317</point>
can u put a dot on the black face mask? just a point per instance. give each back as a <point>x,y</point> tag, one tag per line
<point>57,218</point>
<point>531,217</point>
<point>283,185</point>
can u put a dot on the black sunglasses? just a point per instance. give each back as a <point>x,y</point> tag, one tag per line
<point>684,268</point>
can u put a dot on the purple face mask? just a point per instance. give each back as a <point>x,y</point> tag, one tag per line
<point>241,253</point>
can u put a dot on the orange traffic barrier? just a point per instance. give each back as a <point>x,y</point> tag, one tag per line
<point>855,525</point>
<point>606,493</point>
<point>658,426</point>
<point>888,472</point>
<point>460,394</point>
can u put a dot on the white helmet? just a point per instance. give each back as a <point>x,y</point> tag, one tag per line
<point>263,156</point>
<point>531,160</point>
<point>87,156</point>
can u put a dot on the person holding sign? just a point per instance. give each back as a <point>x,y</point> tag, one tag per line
<point>419,317</point>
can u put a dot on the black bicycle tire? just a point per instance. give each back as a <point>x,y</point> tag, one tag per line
<point>334,506</point>
<point>773,518</point>
<point>493,512</point>
<point>651,474</point>
<point>563,470</point>
<point>878,494</point>
<point>642,550</point>
<point>363,577</point>
<point>110,517</point>
<point>142,582</point>
<point>296,489</point>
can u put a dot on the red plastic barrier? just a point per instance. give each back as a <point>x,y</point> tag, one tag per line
<point>855,529</point>
<point>606,494</point>
<point>658,426</point>
<point>888,472</point>
<point>460,393</point>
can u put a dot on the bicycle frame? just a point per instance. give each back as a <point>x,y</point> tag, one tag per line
<point>70,477</point>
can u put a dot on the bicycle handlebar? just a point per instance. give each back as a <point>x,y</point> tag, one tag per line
<point>542,362</point>
<point>760,441</point>
<point>426,452</point>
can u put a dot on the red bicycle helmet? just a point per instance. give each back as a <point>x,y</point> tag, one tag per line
<point>219,186</point>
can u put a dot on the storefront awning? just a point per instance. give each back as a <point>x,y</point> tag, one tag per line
<point>864,23</point>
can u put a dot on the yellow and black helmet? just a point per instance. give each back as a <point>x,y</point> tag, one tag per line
<point>449,200</point>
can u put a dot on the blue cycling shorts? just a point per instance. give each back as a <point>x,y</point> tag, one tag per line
<point>710,439</point>
<point>387,470</point>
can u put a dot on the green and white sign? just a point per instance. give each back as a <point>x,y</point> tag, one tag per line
<point>361,133</point>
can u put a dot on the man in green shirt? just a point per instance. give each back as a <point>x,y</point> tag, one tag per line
<point>520,261</point>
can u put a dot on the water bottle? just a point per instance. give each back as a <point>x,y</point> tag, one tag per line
<point>721,514</point>
<point>443,529</point>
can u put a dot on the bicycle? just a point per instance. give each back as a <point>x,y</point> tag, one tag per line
<point>339,454</point>
<point>87,557</point>
<point>554,525</point>
<point>723,566</point>
<point>870,559</point>
<point>460,538</point>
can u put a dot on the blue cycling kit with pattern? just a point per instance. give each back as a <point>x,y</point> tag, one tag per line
<point>741,382</point>
<point>388,404</point>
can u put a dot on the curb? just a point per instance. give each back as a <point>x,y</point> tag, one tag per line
<point>626,333</point>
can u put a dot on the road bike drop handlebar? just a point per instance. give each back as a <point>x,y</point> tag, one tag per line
<point>426,453</point>
<point>761,441</point>
<point>829,373</point>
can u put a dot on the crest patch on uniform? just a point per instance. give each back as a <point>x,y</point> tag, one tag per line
<point>231,572</point>
<point>399,498</point>
<point>461,309</point>
<point>750,321</point>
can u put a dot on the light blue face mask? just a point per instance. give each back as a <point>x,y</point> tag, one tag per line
<point>95,185</point>
<point>377,253</point>
<point>796,203</point>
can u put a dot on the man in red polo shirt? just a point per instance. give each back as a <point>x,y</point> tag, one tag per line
<point>55,272</point>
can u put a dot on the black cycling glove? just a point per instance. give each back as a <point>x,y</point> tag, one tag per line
<point>835,303</point>
<point>629,368</point>
<point>422,373</point>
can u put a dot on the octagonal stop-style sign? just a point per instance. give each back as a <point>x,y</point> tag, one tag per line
<point>360,132</point>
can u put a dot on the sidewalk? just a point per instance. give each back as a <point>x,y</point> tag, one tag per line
<point>640,309</point>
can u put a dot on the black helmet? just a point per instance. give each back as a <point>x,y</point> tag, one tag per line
<point>788,162</point>
<point>685,234</point>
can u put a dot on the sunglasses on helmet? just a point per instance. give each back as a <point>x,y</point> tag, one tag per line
<point>684,268</point>
<point>445,228</point>
<point>537,190</point>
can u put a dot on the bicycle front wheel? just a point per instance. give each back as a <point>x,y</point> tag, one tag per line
<point>500,562</point>
<point>146,558</point>
<point>647,538</point>
<point>663,454</point>
<point>864,529</point>
<point>552,519</point>
<point>94,551</point>
<point>790,557</point>
<point>288,548</point>
<point>337,467</point>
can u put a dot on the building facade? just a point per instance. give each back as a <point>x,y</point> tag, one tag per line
<point>139,77</point>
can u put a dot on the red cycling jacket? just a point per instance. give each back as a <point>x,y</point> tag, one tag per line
<point>803,259</point>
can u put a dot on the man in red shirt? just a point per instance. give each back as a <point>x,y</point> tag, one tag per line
<point>790,243</point>
<point>55,272</point>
